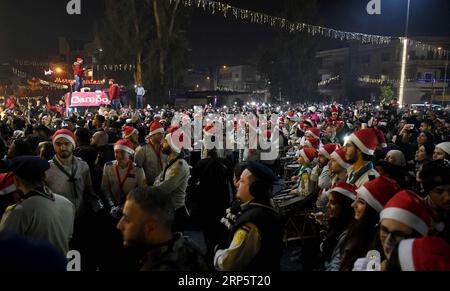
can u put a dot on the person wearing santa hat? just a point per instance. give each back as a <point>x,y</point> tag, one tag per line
<point>359,151</point>
<point>334,119</point>
<point>369,202</point>
<point>306,159</point>
<point>173,180</point>
<point>131,134</point>
<point>321,174</point>
<point>78,72</point>
<point>70,176</point>
<point>423,254</point>
<point>338,166</point>
<point>121,176</point>
<point>114,95</point>
<point>150,156</point>
<point>406,215</point>
<point>340,214</point>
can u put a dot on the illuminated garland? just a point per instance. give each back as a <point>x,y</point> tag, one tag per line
<point>381,81</point>
<point>24,75</point>
<point>328,81</point>
<point>116,67</point>
<point>426,47</point>
<point>261,18</point>
<point>32,63</point>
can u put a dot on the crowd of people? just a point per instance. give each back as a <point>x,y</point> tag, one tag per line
<point>126,187</point>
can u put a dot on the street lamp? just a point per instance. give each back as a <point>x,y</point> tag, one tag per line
<point>404,59</point>
<point>445,78</point>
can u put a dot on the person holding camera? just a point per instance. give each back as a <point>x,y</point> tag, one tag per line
<point>256,230</point>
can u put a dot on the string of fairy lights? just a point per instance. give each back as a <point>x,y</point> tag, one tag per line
<point>215,7</point>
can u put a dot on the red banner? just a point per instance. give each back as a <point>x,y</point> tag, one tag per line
<point>88,99</point>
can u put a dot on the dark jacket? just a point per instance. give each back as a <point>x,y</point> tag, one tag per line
<point>269,224</point>
<point>178,254</point>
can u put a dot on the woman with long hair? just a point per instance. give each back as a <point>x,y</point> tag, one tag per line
<point>340,214</point>
<point>362,232</point>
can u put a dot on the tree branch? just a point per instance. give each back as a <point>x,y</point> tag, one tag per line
<point>172,21</point>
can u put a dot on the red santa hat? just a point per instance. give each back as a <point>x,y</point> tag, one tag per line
<point>124,145</point>
<point>381,138</point>
<point>348,190</point>
<point>377,192</point>
<point>424,254</point>
<point>128,131</point>
<point>328,149</point>
<point>290,115</point>
<point>339,156</point>
<point>312,142</point>
<point>410,209</point>
<point>314,132</point>
<point>334,109</point>
<point>156,127</point>
<point>308,154</point>
<point>281,120</point>
<point>366,140</point>
<point>67,134</point>
<point>7,185</point>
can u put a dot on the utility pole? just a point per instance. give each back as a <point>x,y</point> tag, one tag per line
<point>445,80</point>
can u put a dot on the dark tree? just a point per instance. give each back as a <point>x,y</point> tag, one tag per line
<point>289,62</point>
<point>149,34</point>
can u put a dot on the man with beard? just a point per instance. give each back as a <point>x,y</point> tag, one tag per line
<point>71,177</point>
<point>359,151</point>
<point>329,135</point>
<point>322,174</point>
<point>174,179</point>
<point>146,224</point>
<point>150,156</point>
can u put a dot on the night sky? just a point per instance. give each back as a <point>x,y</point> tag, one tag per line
<point>30,28</point>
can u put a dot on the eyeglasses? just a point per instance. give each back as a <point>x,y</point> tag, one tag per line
<point>396,236</point>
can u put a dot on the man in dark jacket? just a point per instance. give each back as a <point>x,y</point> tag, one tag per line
<point>210,194</point>
<point>146,224</point>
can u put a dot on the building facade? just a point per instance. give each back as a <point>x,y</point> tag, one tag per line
<point>358,71</point>
<point>244,78</point>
